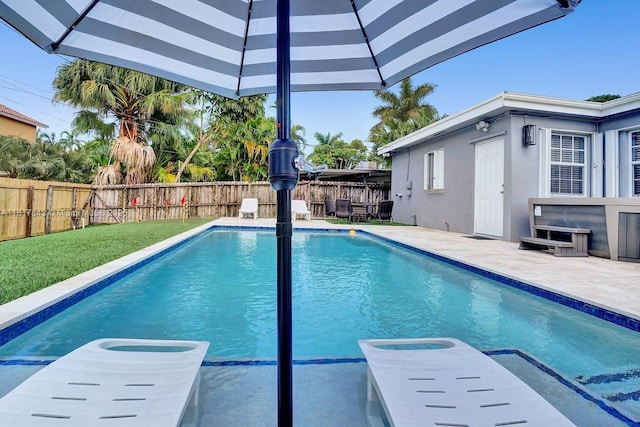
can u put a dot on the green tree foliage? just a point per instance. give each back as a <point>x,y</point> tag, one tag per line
<point>46,159</point>
<point>144,107</point>
<point>298,134</point>
<point>143,128</point>
<point>401,113</point>
<point>603,98</point>
<point>237,133</point>
<point>334,152</point>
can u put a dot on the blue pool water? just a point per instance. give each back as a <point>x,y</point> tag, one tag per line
<point>220,287</point>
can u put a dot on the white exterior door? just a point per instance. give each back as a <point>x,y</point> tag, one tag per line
<point>489,188</point>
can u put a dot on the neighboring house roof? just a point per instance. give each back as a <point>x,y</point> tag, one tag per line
<point>13,114</point>
<point>534,105</point>
<point>348,174</point>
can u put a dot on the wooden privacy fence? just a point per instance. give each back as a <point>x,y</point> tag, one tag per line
<point>30,208</point>
<point>146,202</point>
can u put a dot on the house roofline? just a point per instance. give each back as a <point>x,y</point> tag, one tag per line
<point>516,101</point>
<point>15,115</point>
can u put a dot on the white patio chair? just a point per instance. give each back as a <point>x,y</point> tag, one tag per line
<point>299,207</point>
<point>249,207</point>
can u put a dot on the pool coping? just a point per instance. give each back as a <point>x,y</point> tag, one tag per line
<point>20,315</point>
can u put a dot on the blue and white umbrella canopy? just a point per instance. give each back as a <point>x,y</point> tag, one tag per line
<point>229,46</point>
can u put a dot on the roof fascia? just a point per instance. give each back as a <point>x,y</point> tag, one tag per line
<point>441,126</point>
<point>26,120</point>
<point>516,101</point>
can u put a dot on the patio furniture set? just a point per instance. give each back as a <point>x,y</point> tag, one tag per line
<point>341,208</point>
<point>359,211</point>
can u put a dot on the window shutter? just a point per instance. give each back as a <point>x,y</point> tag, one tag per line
<point>427,173</point>
<point>612,170</point>
<point>438,165</point>
<point>597,171</point>
<point>544,189</point>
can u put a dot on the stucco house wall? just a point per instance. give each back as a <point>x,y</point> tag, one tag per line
<point>605,127</point>
<point>523,171</point>
<point>14,128</point>
<point>18,125</point>
<point>439,210</point>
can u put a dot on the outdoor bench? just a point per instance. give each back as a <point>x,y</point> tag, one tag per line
<point>560,241</point>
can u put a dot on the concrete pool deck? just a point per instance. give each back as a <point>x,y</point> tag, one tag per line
<point>334,394</point>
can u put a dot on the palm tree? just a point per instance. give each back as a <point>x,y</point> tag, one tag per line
<point>327,139</point>
<point>69,141</point>
<point>139,102</point>
<point>400,114</point>
<point>298,134</point>
<point>43,160</point>
<point>408,106</point>
<point>44,136</point>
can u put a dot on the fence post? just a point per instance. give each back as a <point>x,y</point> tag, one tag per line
<point>125,203</point>
<point>154,209</point>
<point>74,206</point>
<point>74,202</point>
<point>188,203</point>
<point>29,221</point>
<point>47,224</point>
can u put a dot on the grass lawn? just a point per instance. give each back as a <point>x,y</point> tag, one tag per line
<point>34,263</point>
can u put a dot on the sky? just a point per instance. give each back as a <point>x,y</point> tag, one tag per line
<point>593,51</point>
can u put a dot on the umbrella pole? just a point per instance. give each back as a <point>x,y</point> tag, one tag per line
<point>285,341</point>
<point>283,176</point>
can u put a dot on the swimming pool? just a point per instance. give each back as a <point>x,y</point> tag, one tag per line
<point>221,287</point>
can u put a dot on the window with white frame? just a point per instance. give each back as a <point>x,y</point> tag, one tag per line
<point>568,164</point>
<point>434,170</point>
<point>635,164</point>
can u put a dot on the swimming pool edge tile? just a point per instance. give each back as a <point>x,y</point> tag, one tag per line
<point>43,304</point>
<point>602,311</point>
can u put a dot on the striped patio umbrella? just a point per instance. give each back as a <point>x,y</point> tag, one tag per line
<point>229,47</point>
<point>246,47</point>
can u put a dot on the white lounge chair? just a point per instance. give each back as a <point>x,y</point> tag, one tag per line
<point>299,207</point>
<point>112,382</point>
<point>249,207</point>
<point>445,382</point>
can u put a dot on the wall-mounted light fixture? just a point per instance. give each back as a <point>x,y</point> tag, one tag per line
<point>482,125</point>
<point>529,135</point>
